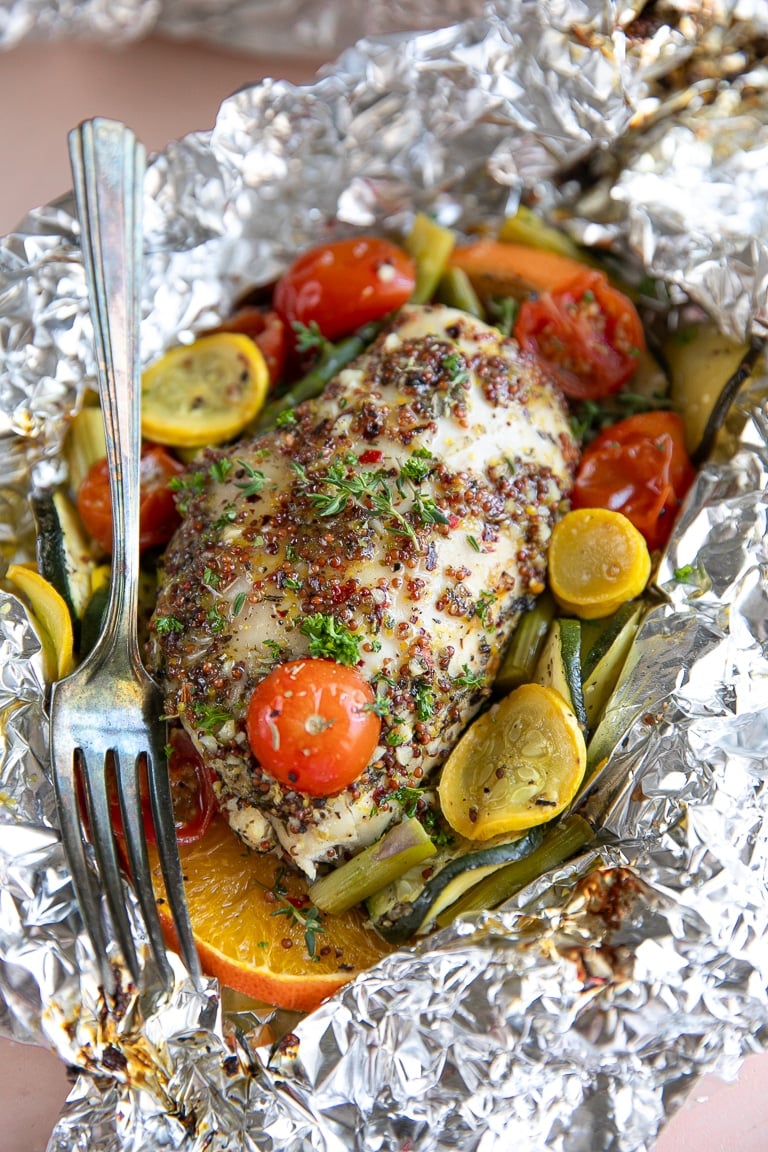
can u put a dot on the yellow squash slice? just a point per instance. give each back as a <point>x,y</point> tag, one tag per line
<point>51,617</point>
<point>597,561</point>
<point>203,393</point>
<point>519,764</point>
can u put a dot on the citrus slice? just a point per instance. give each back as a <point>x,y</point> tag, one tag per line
<point>518,765</point>
<point>256,930</point>
<point>597,561</point>
<point>51,617</point>
<point>203,393</point>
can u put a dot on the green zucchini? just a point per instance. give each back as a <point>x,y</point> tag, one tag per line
<point>64,555</point>
<point>601,681</point>
<point>596,642</point>
<point>399,921</point>
<point>559,665</point>
<point>563,840</point>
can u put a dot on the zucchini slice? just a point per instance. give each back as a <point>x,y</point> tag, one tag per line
<point>64,556</point>
<point>600,683</point>
<point>559,665</point>
<point>600,639</point>
<point>415,916</point>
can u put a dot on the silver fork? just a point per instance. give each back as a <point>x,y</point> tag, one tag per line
<point>105,719</point>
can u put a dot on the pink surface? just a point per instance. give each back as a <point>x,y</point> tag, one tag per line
<point>163,91</point>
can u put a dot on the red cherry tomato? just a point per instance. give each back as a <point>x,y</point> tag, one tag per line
<point>157,511</point>
<point>344,284</point>
<point>639,467</point>
<point>310,725</point>
<point>587,334</point>
<point>194,802</point>
<point>265,329</point>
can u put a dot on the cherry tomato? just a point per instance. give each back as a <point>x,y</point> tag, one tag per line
<point>267,330</point>
<point>587,334</point>
<point>194,802</point>
<point>310,725</point>
<point>157,511</point>
<point>639,467</point>
<point>344,284</point>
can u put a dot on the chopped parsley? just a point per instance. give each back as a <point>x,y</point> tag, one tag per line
<point>309,337</point>
<point>468,679</point>
<point>424,698</point>
<point>209,717</point>
<point>328,639</point>
<point>286,419</point>
<point>220,469</point>
<point>166,624</point>
<point>299,910</point>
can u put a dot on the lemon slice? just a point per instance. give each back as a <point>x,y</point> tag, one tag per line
<point>51,617</point>
<point>203,393</point>
<point>597,561</point>
<point>519,764</point>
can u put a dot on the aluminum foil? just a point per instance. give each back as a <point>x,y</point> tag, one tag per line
<point>576,1017</point>
<point>312,28</point>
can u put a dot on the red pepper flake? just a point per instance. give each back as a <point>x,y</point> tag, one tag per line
<point>453,521</point>
<point>371,456</point>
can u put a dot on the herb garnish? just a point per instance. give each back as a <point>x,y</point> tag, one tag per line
<point>166,624</point>
<point>328,639</point>
<point>299,910</point>
<point>209,717</point>
<point>468,679</point>
<point>255,482</point>
<point>369,490</point>
<point>309,337</point>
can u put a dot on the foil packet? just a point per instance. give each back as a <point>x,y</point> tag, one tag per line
<point>576,1017</point>
<point>309,28</point>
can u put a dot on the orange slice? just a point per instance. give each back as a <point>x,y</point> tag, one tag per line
<point>245,910</point>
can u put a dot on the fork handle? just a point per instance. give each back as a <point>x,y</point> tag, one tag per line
<point>108,165</point>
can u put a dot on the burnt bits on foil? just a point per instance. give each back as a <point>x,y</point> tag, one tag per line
<point>576,1017</point>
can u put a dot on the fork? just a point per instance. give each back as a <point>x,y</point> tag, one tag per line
<point>106,717</point>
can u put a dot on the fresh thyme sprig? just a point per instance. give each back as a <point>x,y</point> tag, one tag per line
<point>369,490</point>
<point>304,914</point>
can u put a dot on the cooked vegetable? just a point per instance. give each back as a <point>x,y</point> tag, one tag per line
<point>267,330</point>
<point>587,334</point>
<point>559,665</point>
<point>562,842</point>
<point>344,284</point>
<point>311,725</point>
<point>519,662</point>
<point>499,269</point>
<point>518,765</point>
<point>700,360</point>
<point>51,616</point>
<point>158,516</point>
<point>332,359</point>
<point>455,289</point>
<point>64,556</point>
<point>607,660</point>
<point>399,919</point>
<point>85,444</point>
<point>597,561</point>
<point>398,850</point>
<point>430,245</point>
<point>638,467</point>
<point>203,393</point>
<point>597,636</point>
<point>527,228</point>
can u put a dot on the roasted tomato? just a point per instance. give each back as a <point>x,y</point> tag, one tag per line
<point>157,512</point>
<point>587,334</point>
<point>194,802</point>
<point>267,330</point>
<point>311,725</point>
<point>639,467</point>
<point>341,285</point>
